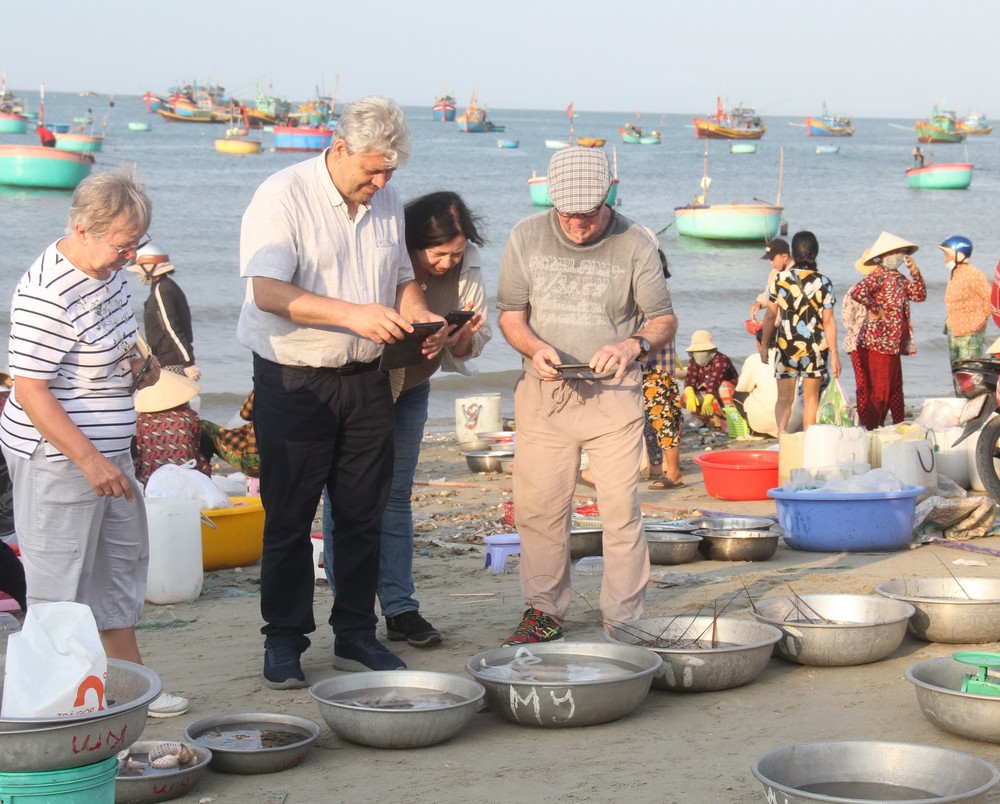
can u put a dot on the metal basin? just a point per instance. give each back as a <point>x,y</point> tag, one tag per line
<point>383,727</point>
<point>869,771</point>
<point>672,548</point>
<point>486,460</point>
<point>737,545</point>
<point>161,785</point>
<point>835,630</point>
<point>472,446</point>
<point>585,542</point>
<point>938,683</point>
<point>560,703</point>
<point>959,610</point>
<point>730,652</point>
<point>40,744</point>
<point>251,759</point>
<point>731,523</point>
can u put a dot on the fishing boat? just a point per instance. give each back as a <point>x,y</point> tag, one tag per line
<point>191,115</point>
<point>590,142</point>
<point>557,145</point>
<point>475,120</point>
<point>975,123</point>
<point>302,138</point>
<point>237,145</point>
<point>13,123</point>
<point>742,147</point>
<point>9,102</point>
<point>940,176</point>
<point>155,102</point>
<point>739,123</point>
<point>828,149</point>
<point>508,143</point>
<point>444,109</point>
<point>82,143</point>
<point>138,126</point>
<point>734,222</point>
<point>829,125</point>
<point>539,187</point>
<point>941,127</point>
<point>38,166</point>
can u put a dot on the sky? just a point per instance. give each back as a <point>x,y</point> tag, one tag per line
<point>865,58</point>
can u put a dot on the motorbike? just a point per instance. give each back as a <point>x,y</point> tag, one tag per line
<point>976,380</point>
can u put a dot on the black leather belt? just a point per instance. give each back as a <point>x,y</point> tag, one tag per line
<point>354,368</point>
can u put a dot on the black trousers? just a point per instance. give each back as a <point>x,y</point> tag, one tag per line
<point>316,428</point>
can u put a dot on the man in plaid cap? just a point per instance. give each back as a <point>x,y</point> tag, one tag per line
<point>580,284</point>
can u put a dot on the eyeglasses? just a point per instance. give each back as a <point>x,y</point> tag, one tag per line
<point>588,216</point>
<point>122,251</point>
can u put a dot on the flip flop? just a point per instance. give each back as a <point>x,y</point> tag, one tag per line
<point>664,484</point>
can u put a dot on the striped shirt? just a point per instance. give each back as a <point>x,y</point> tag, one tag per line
<point>77,333</point>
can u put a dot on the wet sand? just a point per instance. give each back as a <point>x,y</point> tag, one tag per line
<point>677,747</point>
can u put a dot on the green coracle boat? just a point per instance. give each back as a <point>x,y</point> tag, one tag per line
<point>942,176</point>
<point>38,166</point>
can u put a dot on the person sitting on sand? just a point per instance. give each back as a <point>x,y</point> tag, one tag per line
<point>707,371</point>
<point>168,430</point>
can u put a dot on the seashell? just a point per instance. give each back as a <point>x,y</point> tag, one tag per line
<point>134,765</point>
<point>164,750</point>
<point>186,755</point>
<point>165,762</point>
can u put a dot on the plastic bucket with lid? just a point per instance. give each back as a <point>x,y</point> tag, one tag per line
<point>175,561</point>
<point>87,784</point>
<point>912,462</point>
<point>477,414</point>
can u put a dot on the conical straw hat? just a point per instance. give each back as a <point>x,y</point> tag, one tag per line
<point>861,266</point>
<point>170,391</point>
<point>886,244</point>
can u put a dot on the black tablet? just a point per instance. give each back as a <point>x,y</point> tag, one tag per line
<point>406,352</point>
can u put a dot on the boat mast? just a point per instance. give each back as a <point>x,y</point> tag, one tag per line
<point>781,172</point>
<point>41,104</point>
<point>705,180</point>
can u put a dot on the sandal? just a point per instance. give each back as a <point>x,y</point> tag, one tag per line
<point>664,484</point>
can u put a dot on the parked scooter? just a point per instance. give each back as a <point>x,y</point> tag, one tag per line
<point>976,380</point>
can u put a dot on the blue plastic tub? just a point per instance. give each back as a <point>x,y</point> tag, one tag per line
<point>88,784</point>
<point>868,522</point>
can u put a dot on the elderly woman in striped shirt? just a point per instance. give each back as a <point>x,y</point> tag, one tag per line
<point>66,429</point>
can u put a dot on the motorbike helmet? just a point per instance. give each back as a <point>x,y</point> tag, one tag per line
<point>958,244</point>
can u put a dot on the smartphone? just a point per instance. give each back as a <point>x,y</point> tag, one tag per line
<point>142,373</point>
<point>573,367</point>
<point>458,318</point>
<point>423,330</point>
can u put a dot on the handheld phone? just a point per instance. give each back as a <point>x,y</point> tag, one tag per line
<point>423,330</point>
<point>573,367</point>
<point>458,318</point>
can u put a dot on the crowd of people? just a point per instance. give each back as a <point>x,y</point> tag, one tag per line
<point>336,269</point>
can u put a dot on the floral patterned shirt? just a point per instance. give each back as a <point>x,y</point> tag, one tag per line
<point>707,379</point>
<point>967,300</point>
<point>887,296</point>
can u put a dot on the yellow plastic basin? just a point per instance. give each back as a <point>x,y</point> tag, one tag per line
<point>238,536</point>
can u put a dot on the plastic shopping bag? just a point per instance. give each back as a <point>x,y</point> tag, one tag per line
<point>56,665</point>
<point>186,482</point>
<point>834,407</point>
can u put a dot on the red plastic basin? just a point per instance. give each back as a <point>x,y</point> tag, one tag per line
<point>739,474</point>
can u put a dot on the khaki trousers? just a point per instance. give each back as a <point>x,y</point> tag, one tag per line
<point>555,420</point>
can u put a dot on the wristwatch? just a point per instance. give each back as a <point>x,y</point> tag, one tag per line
<point>643,346</point>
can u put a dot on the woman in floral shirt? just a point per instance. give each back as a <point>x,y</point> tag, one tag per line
<point>887,332</point>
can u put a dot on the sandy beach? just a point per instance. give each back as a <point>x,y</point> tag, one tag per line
<point>674,748</point>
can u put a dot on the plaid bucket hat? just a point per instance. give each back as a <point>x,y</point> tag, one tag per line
<point>579,179</point>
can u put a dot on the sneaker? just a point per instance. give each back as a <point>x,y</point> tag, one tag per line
<point>409,625</point>
<point>167,705</point>
<point>282,669</point>
<point>535,627</point>
<point>366,653</point>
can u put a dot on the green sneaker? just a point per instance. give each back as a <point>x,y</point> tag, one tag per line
<point>535,626</point>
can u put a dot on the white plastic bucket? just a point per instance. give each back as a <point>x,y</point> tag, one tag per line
<point>898,432</point>
<point>176,572</point>
<point>477,414</point>
<point>952,462</point>
<point>912,462</point>
<point>830,445</point>
<point>941,410</point>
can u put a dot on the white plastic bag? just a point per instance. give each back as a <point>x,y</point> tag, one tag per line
<point>56,665</point>
<point>186,482</point>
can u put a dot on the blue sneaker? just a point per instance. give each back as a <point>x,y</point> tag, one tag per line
<point>365,653</point>
<point>282,668</point>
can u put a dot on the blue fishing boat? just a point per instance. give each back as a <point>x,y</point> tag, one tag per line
<point>13,123</point>
<point>940,176</point>
<point>301,138</point>
<point>444,109</point>
<point>829,125</point>
<point>508,143</point>
<point>828,149</point>
<point>38,166</point>
<point>475,120</point>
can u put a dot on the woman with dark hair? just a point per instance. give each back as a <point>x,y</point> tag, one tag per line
<point>800,314</point>
<point>441,236</point>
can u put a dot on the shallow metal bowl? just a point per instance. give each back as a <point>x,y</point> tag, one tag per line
<point>41,744</point>
<point>701,653</point>
<point>867,771</point>
<point>835,630</point>
<point>585,542</point>
<point>396,728</point>
<point>939,692</point>
<point>507,465</point>
<point>486,460</point>
<point>161,785</point>
<point>473,446</point>
<point>960,610</point>
<point>561,704</point>
<point>672,548</point>
<point>255,760</point>
<point>737,545</point>
<point>731,523</point>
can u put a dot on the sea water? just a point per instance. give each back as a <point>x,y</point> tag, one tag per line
<point>199,197</point>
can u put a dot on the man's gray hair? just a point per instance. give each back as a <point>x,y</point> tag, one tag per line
<point>377,124</point>
<point>102,198</point>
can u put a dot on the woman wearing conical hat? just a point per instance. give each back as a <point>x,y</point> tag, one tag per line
<point>887,331</point>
